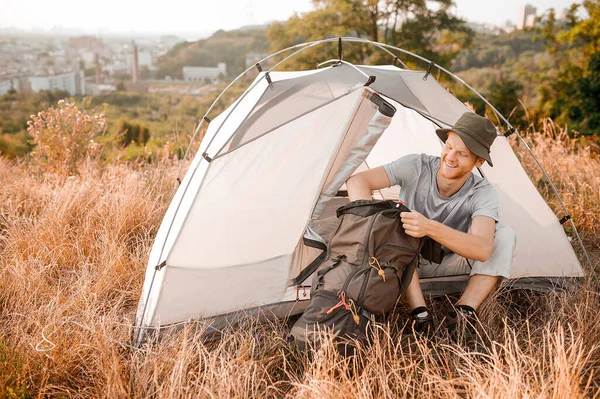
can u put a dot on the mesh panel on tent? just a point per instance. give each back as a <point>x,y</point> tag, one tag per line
<point>287,99</point>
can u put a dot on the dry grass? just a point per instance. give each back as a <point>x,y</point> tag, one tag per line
<point>72,258</point>
<point>573,168</point>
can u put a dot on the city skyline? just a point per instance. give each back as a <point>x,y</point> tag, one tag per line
<point>201,20</point>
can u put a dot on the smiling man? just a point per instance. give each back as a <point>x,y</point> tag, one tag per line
<point>454,207</point>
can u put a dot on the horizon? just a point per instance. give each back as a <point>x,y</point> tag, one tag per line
<point>17,18</point>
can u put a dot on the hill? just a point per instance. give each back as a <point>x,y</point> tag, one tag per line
<point>497,50</point>
<point>230,47</point>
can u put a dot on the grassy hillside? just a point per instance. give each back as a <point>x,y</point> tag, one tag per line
<point>496,50</point>
<point>72,258</point>
<point>169,118</point>
<point>230,47</point>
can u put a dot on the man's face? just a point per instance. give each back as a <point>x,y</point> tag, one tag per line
<point>457,160</point>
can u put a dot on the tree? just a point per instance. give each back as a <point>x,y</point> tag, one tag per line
<point>428,28</point>
<point>568,91</point>
<point>584,33</point>
<point>132,133</point>
<point>504,94</point>
<point>587,90</point>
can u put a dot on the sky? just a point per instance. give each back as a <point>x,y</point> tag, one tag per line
<point>194,19</point>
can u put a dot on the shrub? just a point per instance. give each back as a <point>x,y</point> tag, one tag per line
<point>132,133</point>
<point>64,137</point>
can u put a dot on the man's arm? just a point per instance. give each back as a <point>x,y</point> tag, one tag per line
<point>360,185</point>
<point>476,245</point>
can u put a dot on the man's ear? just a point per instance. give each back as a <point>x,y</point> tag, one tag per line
<point>479,162</point>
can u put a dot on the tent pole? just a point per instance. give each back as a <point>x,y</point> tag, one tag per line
<point>546,176</point>
<point>383,47</point>
<point>221,95</point>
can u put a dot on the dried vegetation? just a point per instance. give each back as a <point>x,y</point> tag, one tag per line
<point>72,259</point>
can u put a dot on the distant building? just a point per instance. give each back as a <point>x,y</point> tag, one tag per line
<point>117,69</point>
<point>89,43</point>
<point>485,28</point>
<point>204,74</point>
<point>509,27</point>
<point>526,17</point>
<point>144,58</point>
<point>72,82</point>
<point>88,58</point>
<point>135,68</point>
<point>99,89</point>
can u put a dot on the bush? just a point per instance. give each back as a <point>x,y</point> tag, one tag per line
<point>132,133</point>
<point>64,137</point>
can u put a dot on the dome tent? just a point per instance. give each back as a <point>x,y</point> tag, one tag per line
<point>253,212</point>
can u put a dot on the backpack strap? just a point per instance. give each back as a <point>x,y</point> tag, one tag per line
<point>337,261</point>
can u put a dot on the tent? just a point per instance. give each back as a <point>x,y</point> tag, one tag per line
<point>251,217</point>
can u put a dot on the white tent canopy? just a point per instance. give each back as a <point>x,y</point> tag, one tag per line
<point>253,209</point>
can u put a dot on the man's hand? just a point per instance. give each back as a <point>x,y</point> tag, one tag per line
<point>415,224</point>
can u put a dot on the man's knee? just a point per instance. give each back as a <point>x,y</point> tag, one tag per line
<point>500,261</point>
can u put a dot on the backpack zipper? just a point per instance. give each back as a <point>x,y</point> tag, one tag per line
<point>362,267</point>
<point>327,316</point>
<point>366,258</point>
<point>405,249</point>
<point>349,278</point>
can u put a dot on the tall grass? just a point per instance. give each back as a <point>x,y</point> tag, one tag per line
<point>572,167</point>
<point>72,260</point>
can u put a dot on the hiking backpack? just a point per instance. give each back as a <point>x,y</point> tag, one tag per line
<point>370,262</point>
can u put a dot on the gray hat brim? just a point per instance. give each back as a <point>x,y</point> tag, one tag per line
<point>473,145</point>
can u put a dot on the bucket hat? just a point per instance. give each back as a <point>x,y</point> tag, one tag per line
<point>478,134</point>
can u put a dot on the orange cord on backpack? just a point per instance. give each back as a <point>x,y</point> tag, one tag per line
<point>342,302</point>
<point>373,262</point>
<point>350,307</point>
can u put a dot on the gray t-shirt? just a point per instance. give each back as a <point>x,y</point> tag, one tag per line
<point>416,176</point>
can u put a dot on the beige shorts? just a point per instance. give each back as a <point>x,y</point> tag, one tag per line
<point>498,264</point>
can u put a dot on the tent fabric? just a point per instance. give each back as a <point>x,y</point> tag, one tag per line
<point>521,206</point>
<point>292,98</point>
<point>357,144</point>
<point>236,231</point>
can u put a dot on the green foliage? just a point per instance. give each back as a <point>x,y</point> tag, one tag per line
<point>132,133</point>
<point>163,118</point>
<point>16,144</point>
<point>504,94</point>
<point>585,33</point>
<point>229,47</point>
<point>15,111</point>
<point>568,88</point>
<point>494,50</point>
<point>11,384</point>
<point>548,72</point>
<point>424,27</point>
<point>586,112</point>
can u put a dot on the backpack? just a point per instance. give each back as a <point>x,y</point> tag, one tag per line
<point>370,261</point>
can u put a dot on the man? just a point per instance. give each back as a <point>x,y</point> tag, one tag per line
<point>454,207</point>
